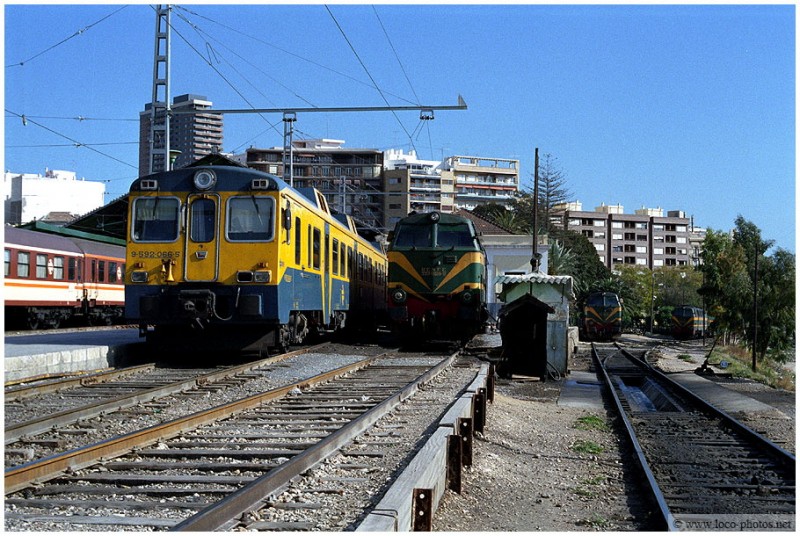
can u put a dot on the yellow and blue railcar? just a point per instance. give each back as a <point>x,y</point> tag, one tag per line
<point>227,256</point>
<point>437,277</point>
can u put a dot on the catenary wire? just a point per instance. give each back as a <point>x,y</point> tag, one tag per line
<point>76,143</point>
<point>76,34</point>
<point>374,83</point>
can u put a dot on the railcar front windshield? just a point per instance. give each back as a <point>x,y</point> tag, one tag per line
<point>250,219</point>
<point>155,219</point>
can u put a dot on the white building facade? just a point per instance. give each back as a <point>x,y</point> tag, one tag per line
<point>29,196</point>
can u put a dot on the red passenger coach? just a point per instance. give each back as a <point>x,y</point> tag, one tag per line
<point>50,279</point>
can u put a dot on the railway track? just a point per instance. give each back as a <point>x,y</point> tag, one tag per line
<point>705,470</point>
<point>51,417</point>
<point>225,467</point>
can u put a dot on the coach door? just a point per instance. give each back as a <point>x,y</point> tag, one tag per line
<point>201,256</point>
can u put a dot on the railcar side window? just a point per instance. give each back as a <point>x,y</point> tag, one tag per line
<point>251,219</point>
<point>342,258</point>
<point>101,274</point>
<point>155,219</point>
<point>41,266</point>
<point>23,264</point>
<point>71,265</point>
<point>58,267</point>
<point>8,262</point>
<point>112,272</point>
<point>203,220</point>
<point>298,250</point>
<point>335,260</point>
<point>317,247</point>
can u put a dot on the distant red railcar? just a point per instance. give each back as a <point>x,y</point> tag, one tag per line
<point>52,279</point>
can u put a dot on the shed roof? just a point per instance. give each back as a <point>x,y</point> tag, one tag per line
<point>535,277</point>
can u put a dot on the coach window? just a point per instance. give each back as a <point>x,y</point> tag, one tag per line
<point>112,272</point>
<point>251,219</point>
<point>58,267</point>
<point>93,273</point>
<point>23,264</point>
<point>7,254</point>
<point>41,266</point>
<point>101,272</point>
<point>341,258</point>
<point>71,269</point>
<point>203,220</point>
<point>335,260</point>
<point>155,219</point>
<point>317,248</point>
<point>298,250</point>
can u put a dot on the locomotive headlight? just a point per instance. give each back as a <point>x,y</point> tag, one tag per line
<point>399,295</point>
<point>139,276</point>
<point>434,217</point>
<point>204,179</point>
<point>466,297</point>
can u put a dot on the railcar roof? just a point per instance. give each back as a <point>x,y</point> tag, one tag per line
<point>25,238</point>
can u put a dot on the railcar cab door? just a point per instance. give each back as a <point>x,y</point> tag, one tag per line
<point>201,252</point>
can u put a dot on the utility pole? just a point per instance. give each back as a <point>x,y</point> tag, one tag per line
<point>535,258</point>
<point>160,105</point>
<point>755,305</point>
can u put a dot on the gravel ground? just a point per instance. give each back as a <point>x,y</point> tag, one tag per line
<point>528,476</point>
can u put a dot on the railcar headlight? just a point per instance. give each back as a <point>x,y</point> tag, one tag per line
<point>262,276</point>
<point>139,276</point>
<point>466,297</point>
<point>399,295</point>
<point>204,179</point>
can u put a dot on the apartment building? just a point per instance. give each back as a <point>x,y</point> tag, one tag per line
<point>191,135</point>
<point>644,238</point>
<point>414,185</point>
<point>351,179</point>
<point>482,180</point>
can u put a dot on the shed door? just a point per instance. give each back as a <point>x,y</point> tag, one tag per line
<point>201,254</point>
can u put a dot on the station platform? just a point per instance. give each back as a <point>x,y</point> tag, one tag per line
<point>59,352</point>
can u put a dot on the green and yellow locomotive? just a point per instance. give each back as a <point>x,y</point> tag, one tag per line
<point>437,277</point>
<point>689,322</point>
<point>602,316</point>
<point>229,257</point>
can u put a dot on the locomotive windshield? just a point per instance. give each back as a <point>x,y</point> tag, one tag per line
<point>457,235</point>
<point>602,300</point>
<point>409,236</point>
<point>250,219</point>
<point>155,219</point>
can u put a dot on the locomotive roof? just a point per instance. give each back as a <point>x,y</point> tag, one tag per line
<point>424,218</point>
<point>229,178</point>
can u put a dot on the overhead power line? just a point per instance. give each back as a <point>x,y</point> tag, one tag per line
<point>27,120</point>
<point>76,34</point>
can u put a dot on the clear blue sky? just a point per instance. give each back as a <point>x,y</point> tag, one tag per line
<point>683,107</point>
